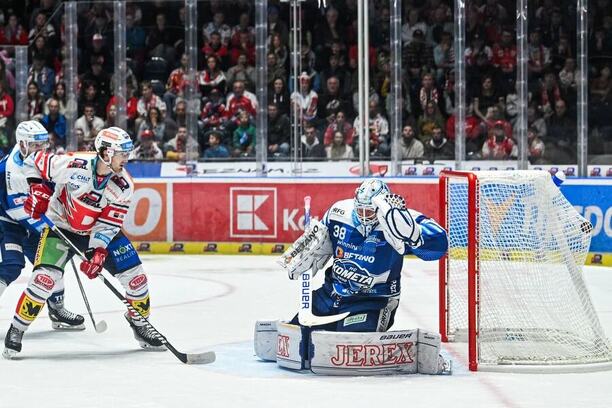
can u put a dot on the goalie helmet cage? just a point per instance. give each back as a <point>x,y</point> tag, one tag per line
<point>511,283</point>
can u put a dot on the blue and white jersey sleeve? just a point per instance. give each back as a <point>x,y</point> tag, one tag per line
<point>14,190</point>
<point>435,240</point>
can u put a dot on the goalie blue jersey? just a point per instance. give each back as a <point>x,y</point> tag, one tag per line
<point>368,266</point>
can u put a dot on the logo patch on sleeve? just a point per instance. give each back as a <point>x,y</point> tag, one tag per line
<point>360,318</point>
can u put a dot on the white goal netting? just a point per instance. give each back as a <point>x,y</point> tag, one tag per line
<point>534,308</point>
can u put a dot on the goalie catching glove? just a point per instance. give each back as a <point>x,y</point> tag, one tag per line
<point>397,222</point>
<point>310,251</point>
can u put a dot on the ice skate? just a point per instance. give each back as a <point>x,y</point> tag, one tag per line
<point>12,342</point>
<point>147,338</point>
<point>63,319</point>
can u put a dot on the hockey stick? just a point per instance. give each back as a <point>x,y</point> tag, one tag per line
<point>101,326</point>
<point>198,358</point>
<point>305,315</point>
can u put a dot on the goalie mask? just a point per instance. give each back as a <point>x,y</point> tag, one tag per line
<point>365,210</point>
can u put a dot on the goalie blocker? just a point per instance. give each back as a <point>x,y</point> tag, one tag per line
<point>350,353</point>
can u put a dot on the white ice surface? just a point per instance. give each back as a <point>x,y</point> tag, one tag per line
<point>210,303</point>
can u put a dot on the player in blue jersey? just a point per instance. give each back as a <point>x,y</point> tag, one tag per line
<point>19,233</point>
<point>367,237</point>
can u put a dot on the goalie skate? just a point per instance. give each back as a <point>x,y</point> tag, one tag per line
<point>12,342</point>
<point>63,319</point>
<point>145,336</point>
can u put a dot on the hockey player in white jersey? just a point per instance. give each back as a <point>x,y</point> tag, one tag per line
<point>367,237</point>
<point>19,233</point>
<point>91,198</point>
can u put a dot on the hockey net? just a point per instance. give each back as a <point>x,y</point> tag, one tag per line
<point>511,284</point>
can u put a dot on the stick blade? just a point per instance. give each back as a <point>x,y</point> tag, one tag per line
<point>309,319</point>
<point>201,358</point>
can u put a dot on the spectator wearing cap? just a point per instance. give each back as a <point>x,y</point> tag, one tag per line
<point>413,23</point>
<point>306,100</point>
<point>418,55</point>
<point>279,131</point>
<point>439,147</point>
<point>498,145</point>
<point>147,149</point>
<point>13,33</point>
<point>215,149</point>
<point>212,77</point>
<point>42,75</point>
<point>218,26</point>
<point>243,144</point>
<point>54,121</point>
<point>242,71</point>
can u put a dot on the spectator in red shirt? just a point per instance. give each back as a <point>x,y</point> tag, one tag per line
<point>504,58</point>
<point>215,47</point>
<point>13,33</point>
<point>7,108</point>
<point>240,100</point>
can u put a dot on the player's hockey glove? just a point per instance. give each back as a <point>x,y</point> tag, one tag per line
<point>397,221</point>
<point>95,263</point>
<point>38,201</point>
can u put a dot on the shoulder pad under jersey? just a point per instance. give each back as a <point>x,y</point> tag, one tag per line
<point>340,211</point>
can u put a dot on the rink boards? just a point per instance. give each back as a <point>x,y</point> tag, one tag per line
<point>263,215</point>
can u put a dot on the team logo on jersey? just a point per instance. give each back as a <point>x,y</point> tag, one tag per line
<point>355,278</point>
<point>28,308</point>
<point>78,164</point>
<point>121,182</point>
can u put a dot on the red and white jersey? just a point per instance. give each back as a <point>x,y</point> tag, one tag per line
<point>83,203</point>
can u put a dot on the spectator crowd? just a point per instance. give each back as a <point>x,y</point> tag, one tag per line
<point>325,101</point>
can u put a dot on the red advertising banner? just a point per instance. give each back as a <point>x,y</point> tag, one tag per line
<point>267,211</point>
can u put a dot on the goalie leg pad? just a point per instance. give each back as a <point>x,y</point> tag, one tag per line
<point>364,353</point>
<point>265,340</point>
<point>429,359</point>
<point>292,345</point>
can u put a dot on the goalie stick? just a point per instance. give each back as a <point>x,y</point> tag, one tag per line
<point>305,315</point>
<point>101,326</point>
<point>195,358</point>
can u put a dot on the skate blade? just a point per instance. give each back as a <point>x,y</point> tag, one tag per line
<point>9,354</point>
<point>66,327</point>
<point>148,347</point>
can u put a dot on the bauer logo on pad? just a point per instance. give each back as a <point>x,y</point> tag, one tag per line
<point>253,212</point>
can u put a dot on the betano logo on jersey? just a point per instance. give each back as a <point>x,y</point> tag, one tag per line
<point>342,254</point>
<point>357,278</point>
